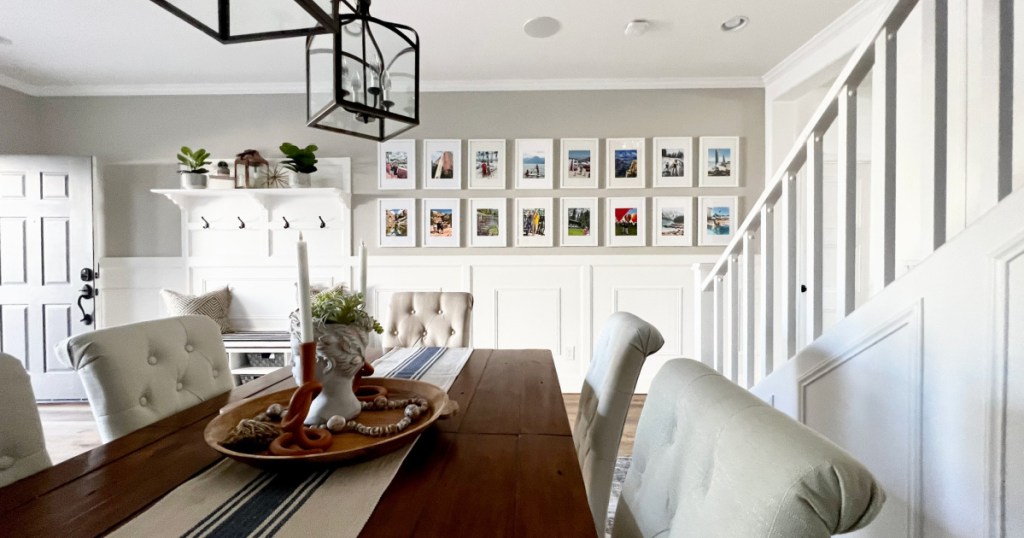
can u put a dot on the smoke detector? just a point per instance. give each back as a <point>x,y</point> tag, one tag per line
<point>637,28</point>
<point>736,23</point>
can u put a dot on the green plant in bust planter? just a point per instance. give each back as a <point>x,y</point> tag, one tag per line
<point>338,306</point>
<point>194,175</point>
<point>301,161</point>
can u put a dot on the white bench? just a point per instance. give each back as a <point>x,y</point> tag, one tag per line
<point>239,344</point>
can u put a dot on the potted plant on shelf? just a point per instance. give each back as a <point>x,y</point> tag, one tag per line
<point>194,175</point>
<point>341,329</point>
<point>301,161</point>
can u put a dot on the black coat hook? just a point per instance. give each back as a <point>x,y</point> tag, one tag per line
<point>286,223</point>
<point>242,223</point>
<point>206,224</point>
<point>322,223</point>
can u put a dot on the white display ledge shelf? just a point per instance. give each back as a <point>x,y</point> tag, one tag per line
<point>255,370</point>
<point>185,198</point>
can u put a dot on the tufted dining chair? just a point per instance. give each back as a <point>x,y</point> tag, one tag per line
<point>620,351</point>
<point>137,374</point>
<point>712,459</point>
<point>22,446</point>
<point>428,318</point>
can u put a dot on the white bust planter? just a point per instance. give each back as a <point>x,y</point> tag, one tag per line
<point>339,357</point>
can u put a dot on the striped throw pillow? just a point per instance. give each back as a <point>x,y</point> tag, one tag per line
<point>213,305</point>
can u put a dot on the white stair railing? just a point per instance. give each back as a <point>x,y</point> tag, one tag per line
<point>740,294</point>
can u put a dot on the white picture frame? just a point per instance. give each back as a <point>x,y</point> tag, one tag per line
<point>390,231</point>
<point>624,163</point>
<point>672,221</point>
<point>395,159</point>
<point>720,149</point>
<point>442,164</point>
<point>485,163</point>
<point>579,221</point>
<point>534,163</point>
<point>442,220</point>
<point>718,219</point>
<point>616,211</point>
<point>485,228</point>
<point>579,165</point>
<point>531,229</point>
<point>672,162</point>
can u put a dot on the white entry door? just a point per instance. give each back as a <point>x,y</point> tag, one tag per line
<point>46,240</point>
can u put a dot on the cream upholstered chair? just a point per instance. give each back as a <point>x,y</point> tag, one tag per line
<point>622,347</point>
<point>432,319</point>
<point>712,459</point>
<point>137,374</point>
<point>22,447</point>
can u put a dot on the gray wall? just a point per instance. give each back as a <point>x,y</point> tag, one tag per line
<point>135,140</point>
<point>19,122</point>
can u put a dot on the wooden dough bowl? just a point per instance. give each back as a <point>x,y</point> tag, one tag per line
<point>348,447</point>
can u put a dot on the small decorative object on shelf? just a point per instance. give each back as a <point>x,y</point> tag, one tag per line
<point>223,178</point>
<point>301,161</point>
<point>276,177</point>
<point>249,158</point>
<point>194,174</point>
<point>223,169</point>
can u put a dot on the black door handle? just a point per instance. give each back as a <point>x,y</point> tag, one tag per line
<point>88,292</point>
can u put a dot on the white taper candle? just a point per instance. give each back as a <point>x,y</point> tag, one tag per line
<point>362,267</point>
<point>305,311</point>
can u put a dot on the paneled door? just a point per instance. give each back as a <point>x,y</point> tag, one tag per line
<point>46,265</point>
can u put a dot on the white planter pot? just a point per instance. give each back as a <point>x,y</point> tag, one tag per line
<point>193,181</point>
<point>299,180</point>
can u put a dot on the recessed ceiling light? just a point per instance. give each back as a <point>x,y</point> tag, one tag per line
<point>637,28</point>
<point>735,23</point>
<point>5,41</point>
<point>541,27</point>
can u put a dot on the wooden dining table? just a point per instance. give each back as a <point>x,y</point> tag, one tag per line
<point>505,465</point>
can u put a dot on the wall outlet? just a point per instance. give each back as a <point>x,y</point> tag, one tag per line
<point>569,354</point>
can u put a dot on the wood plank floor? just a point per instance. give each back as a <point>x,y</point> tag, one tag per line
<point>70,428</point>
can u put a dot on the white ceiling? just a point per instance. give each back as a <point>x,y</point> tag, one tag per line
<point>79,47</point>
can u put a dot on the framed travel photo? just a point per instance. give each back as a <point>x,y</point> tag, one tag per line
<point>673,162</point>
<point>627,222</point>
<point>533,222</point>
<point>717,217</point>
<point>673,221</point>
<point>578,169</point>
<point>533,163</point>
<point>397,218</point>
<point>441,222</point>
<point>486,164</point>
<point>396,165</point>
<point>579,222</point>
<point>719,161</point>
<point>625,167</point>
<point>442,164</point>
<point>488,222</point>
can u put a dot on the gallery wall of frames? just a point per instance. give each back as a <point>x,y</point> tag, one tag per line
<point>559,166</point>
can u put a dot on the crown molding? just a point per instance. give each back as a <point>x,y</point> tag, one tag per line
<point>830,41</point>
<point>427,86</point>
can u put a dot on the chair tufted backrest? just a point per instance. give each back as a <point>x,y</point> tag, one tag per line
<point>137,374</point>
<point>622,347</point>
<point>428,318</point>
<point>22,446</point>
<point>712,459</point>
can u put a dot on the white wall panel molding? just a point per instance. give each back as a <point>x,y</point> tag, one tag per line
<point>886,362</point>
<point>1006,486</point>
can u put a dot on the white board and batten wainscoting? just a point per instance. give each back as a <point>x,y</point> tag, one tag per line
<point>556,302</point>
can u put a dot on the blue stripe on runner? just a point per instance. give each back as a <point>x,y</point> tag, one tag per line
<point>415,355</point>
<point>204,524</point>
<point>250,516</point>
<point>420,362</point>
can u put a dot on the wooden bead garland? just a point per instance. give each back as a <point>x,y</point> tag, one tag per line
<point>414,407</point>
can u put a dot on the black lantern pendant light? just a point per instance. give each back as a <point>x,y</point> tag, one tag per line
<point>364,78</point>
<point>241,21</point>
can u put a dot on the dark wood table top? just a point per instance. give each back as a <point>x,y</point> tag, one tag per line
<point>505,466</point>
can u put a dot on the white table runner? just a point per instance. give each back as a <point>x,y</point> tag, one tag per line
<point>234,499</point>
